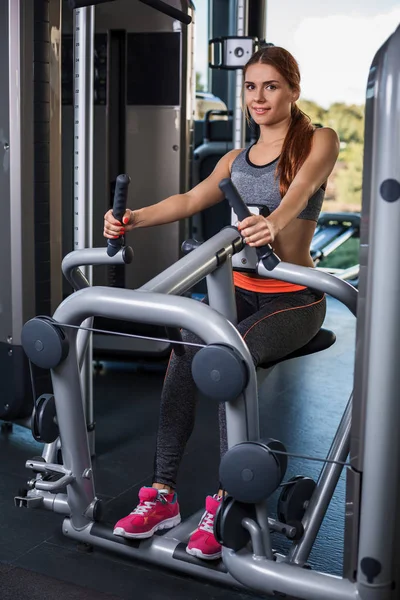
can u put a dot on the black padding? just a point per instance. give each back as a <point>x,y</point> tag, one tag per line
<point>250,472</point>
<point>371,568</point>
<point>44,343</point>
<point>390,190</point>
<point>322,341</point>
<point>219,372</point>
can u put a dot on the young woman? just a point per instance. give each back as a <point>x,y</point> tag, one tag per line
<point>286,171</point>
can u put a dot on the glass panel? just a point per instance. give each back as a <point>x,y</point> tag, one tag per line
<point>334,44</point>
<point>201,46</point>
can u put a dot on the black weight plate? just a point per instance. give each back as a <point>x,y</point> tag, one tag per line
<point>293,497</point>
<point>46,414</point>
<point>35,419</point>
<point>250,472</point>
<point>229,529</point>
<point>219,517</point>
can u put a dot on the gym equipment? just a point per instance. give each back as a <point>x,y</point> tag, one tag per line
<point>156,302</point>
<point>30,182</point>
<point>119,43</point>
<point>112,121</point>
<point>223,355</point>
<point>369,425</point>
<point>372,525</point>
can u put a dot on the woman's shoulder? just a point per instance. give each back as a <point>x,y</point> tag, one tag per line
<point>325,134</point>
<point>232,155</point>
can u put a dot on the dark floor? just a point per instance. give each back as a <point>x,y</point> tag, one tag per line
<point>301,404</point>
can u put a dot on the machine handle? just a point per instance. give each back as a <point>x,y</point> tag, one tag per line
<point>119,208</point>
<point>168,10</point>
<point>264,253</point>
<point>73,4</point>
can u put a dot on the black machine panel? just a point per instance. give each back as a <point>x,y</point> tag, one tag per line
<point>153,69</point>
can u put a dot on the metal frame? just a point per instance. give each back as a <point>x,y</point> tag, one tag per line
<point>83,173</point>
<point>30,182</point>
<point>158,302</point>
<point>375,448</point>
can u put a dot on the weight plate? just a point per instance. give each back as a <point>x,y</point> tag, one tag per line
<point>291,502</point>
<point>46,419</point>
<point>228,528</point>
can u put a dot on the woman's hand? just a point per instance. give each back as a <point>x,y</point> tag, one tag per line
<point>113,228</point>
<point>257,230</point>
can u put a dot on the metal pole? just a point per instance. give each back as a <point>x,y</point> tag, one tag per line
<point>239,122</point>
<point>83,170</point>
<point>380,279</point>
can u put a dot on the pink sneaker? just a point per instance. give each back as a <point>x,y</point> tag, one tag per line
<point>157,510</point>
<point>202,542</point>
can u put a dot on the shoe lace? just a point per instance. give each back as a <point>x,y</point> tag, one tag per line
<point>143,508</point>
<point>147,505</point>
<point>207,522</point>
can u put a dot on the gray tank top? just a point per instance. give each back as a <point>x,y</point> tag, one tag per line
<point>258,186</point>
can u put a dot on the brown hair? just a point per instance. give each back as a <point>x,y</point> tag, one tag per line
<point>297,143</point>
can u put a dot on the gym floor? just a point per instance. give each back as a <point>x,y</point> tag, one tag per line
<point>301,404</point>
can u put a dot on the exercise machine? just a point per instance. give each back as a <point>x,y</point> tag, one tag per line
<point>51,343</point>
<point>30,182</point>
<point>252,469</point>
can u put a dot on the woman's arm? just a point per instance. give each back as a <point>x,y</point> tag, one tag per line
<point>312,174</point>
<point>174,208</point>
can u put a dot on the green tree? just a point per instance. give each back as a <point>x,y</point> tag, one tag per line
<point>347,120</point>
<point>313,110</point>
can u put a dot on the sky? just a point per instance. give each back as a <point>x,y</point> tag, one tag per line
<point>334,43</point>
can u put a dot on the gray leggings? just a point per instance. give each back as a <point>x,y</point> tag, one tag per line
<point>273,326</point>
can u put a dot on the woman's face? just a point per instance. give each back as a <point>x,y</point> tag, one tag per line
<point>267,94</point>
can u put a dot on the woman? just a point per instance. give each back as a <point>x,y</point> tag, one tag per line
<point>286,171</point>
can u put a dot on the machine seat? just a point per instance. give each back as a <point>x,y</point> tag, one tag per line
<point>323,340</point>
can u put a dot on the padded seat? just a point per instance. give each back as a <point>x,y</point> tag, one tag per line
<point>323,340</point>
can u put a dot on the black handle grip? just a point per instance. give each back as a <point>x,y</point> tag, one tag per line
<point>73,4</point>
<point>264,253</point>
<point>235,201</point>
<point>121,196</point>
<point>189,245</point>
<point>119,208</point>
<point>168,10</point>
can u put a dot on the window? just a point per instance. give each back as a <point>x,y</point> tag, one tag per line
<point>201,46</point>
<point>334,44</point>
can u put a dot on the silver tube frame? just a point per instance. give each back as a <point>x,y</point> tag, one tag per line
<point>380,399</point>
<point>145,307</point>
<point>83,169</point>
<point>311,277</point>
<point>322,495</point>
<point>239,119</point>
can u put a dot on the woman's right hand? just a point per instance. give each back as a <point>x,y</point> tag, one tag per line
<point>113,228</point>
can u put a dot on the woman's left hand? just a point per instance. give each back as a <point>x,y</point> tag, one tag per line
<point>257,230</point>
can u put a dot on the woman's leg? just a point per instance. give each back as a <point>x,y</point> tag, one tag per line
<point>281,324</point>
<point>178,404</point>
<point>177,414</point>
<point>284,323</point>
